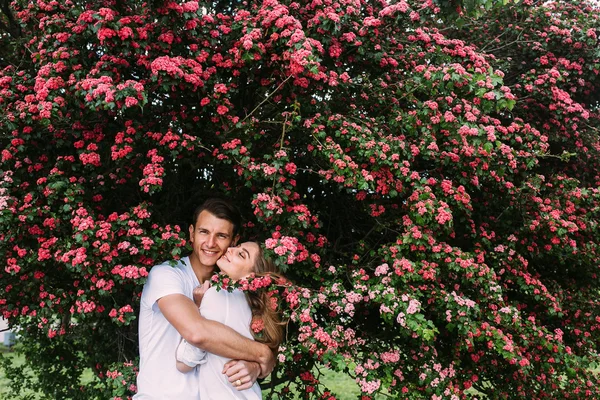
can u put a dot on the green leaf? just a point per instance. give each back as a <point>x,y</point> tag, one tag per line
<point>428,334</point>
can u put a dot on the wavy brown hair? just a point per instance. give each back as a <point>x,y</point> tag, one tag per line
<point>262,306</point>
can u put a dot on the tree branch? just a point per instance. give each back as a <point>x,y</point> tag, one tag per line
<point>265,100</point>
<point>13,27</point>
<point>494,39</point>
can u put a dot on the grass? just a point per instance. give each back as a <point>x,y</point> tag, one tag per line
<point>341,384</point>
<point>16,361</point>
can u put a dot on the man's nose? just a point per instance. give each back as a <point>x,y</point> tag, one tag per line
<point>211,241</point>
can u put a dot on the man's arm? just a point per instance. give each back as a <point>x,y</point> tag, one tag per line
<point>216,338</point>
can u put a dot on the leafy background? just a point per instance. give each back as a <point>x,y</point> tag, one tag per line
<point>427,173</point>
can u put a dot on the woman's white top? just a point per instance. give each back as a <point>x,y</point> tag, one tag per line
<point>230,309</point>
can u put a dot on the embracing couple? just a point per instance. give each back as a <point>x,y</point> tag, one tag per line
<point>196,343</point>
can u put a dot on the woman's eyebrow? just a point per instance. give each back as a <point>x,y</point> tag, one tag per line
<point>247,252</point>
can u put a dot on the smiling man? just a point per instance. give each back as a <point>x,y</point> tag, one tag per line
<point>168,314</point>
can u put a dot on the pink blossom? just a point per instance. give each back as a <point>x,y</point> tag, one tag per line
<point>413,306</point>
<point>190,6</point>
<point>130,101</point>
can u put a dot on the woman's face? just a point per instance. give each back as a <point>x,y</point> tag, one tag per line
<point>238,262</point>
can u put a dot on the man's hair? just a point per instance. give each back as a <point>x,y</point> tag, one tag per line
<point>223,209</point>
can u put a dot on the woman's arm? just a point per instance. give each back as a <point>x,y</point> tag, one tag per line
<point>187,357</point>
<point>181,367</point>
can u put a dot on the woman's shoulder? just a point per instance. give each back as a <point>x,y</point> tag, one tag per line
<point>222,305</point>
<point>220,292</point>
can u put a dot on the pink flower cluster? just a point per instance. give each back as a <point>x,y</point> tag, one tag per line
<point>153,172</point>
<point>290,247</point>
<point>266,205</point>
<point>188,70</point>
<point>129,272</point>
<point>120,315</point>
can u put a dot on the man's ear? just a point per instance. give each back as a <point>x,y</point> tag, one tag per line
<point>235,240</point>
<point>192,228</point>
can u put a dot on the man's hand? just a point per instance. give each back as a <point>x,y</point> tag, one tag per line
<point>267,365</point>
<point>199,292</point>
<point>245,371</point>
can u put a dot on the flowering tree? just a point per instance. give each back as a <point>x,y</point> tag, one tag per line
<point>432,187</point>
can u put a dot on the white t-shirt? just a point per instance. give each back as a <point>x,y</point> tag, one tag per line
<point>232,310</point>
<point>158,377</point>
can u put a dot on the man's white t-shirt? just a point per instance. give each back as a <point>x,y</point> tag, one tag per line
<point>158,339</point>
<point>230,309</point>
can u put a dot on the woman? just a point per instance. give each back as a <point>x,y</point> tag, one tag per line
<point>238,310</point>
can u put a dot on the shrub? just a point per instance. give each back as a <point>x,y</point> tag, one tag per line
<point>431,184</point>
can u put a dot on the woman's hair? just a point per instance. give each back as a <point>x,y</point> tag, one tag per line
<point>263,306</point>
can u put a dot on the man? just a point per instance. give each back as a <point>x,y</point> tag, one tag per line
<point>168,313</point>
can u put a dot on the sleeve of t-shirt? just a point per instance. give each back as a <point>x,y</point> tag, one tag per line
<point>162,281</point>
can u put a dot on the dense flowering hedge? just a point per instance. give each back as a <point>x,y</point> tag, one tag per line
<point>431,187</point>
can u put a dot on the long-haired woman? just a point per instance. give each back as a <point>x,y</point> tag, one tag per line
<point>252,313</point>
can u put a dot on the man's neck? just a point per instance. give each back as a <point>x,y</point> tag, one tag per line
<point>201,271</point>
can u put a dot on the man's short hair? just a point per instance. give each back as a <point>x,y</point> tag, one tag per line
<point>223,209</point>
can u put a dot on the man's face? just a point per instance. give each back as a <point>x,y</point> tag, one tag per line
<point>210,238</point>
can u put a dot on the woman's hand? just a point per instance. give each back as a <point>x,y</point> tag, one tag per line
<point>199,292</point>
<point>241,374</point>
